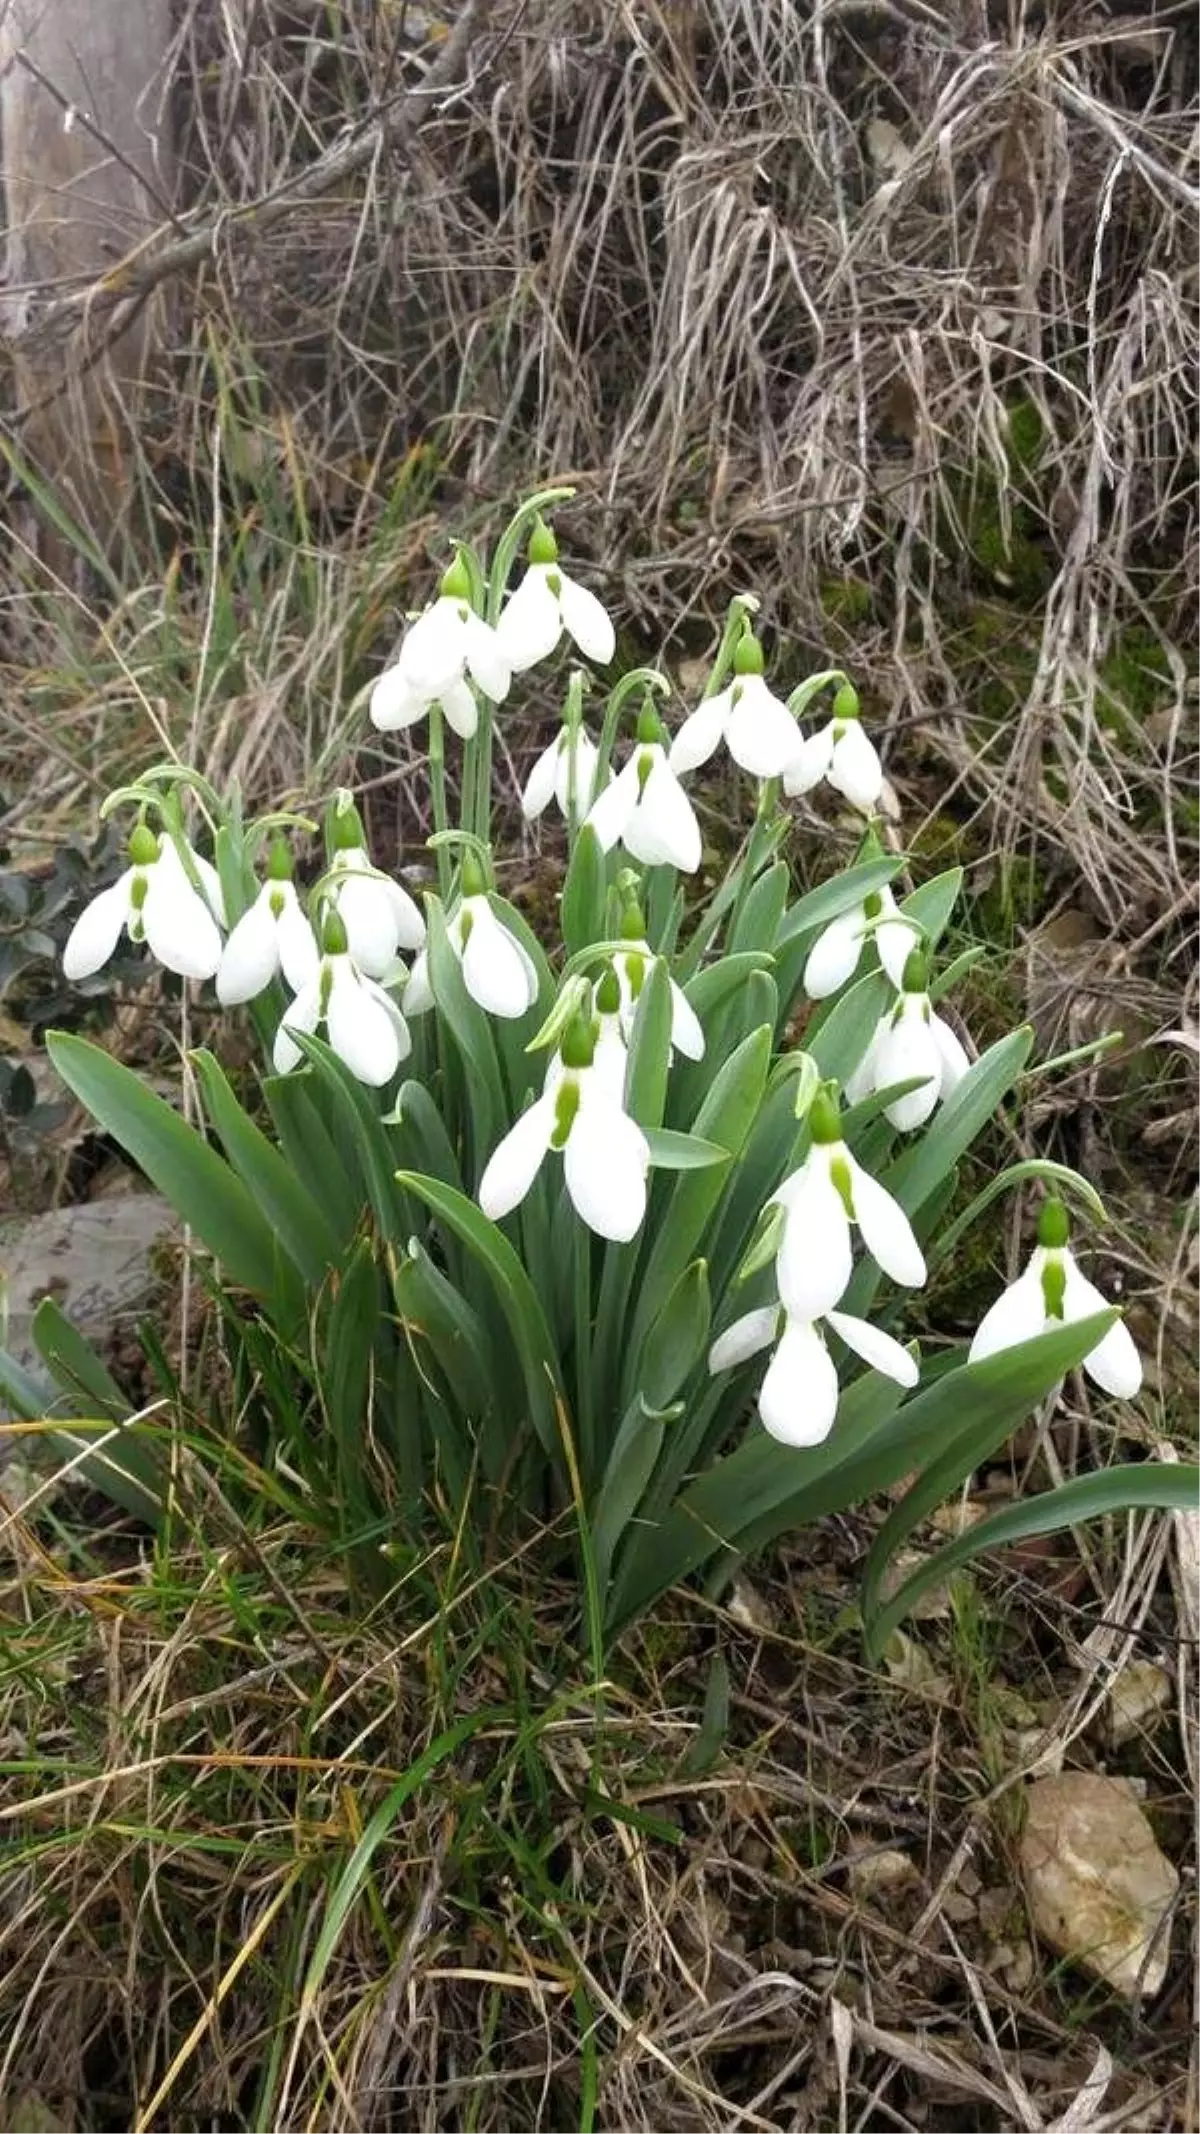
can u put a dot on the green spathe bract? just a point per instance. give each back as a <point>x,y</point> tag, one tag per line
<point>401,1344</point>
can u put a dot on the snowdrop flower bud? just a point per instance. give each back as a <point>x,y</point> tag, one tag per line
<point>379,916</point>
<point>273,935</point>
<point>820,1200</point>
<point>444,645</point>
<point>646,809</point>
<point>605,1154</point>
<point>1052,1292</point>
<point>911,1040</point>
<point>835,954</point>
<point>156,903</point>
<point>611,1056</point>
<point>841,754</point>
<point>497,970</point>
<point>546,603</point>
<point>631,965</point>
<point>571,755</point>
<point>756,727</point>
<point>362,1022</point>
<point>798,1398</point>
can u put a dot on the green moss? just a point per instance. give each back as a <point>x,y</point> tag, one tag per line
<point>1132,682</point>
<point>846,600</point>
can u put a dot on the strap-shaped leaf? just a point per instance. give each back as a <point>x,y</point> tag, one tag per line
<point>830,899</point>
<point>297,1217</point>
<point>583,894</point>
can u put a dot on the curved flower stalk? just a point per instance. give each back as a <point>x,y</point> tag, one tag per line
<point>444,646</point>
<point>756,727</point>
<point>820,1201</point>
<point>631,965</point>
<point>379,916</point>
<point>546,603</point>
<point>911,1040</point>
<point>362,1022</point>
<point>798,1398</point>
<point>605,1154</point>
<point>841,754</point>
<point>570,760</point>
<point>1052,1292</point>
<point>497,969</point>
<point>155,902</point>
<point>837,951</point>
<point>273,935</point>
<point>646,809</point>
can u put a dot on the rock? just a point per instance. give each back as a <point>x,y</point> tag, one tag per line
<point>1137,1699</point>
<point>1098,1888</point>
<point>94,1260</point>
<point>882,1871</point>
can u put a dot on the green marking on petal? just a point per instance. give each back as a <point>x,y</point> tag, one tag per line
<point>839,1172</point>
<point>566,1105</point>
<point>1054,1287</point>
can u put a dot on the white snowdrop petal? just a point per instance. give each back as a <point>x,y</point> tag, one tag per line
<point>687,1034</point>
<point>407,913</point>
<point>384,1000</point>
<point>810,763</point>
<point>516,1161</point>
<point>457,700</point>
<point>605,1162</point>
<point>250,957</point>
<point>486,658</point>
<point>531,624</point>
<point>365,910</point>
<point>855,770</point>
<point>861,1079</point>
<point>761,733</point>
<point>210,883</point>
<point>418,993</point>
<point>905,1052</point>
<point>701,733</point>
<point>1114,1363</point>
<point>433,650</point>
<point>799,1395</point>
<point>894,943</point>
<point>540,784</point>
<point>814,1262</point>
<point>875,1347</point>
<point>886,1231</point>
<point>1018,1314</point>
<point>495,968</point>
<point>588,621</point>
<point>745,1338</point>
<point>663,830</point>
<point>586,756</point>
<point>299,955</point>
<point>361,1031</point>
<point>610,814</point>
<point>303,1014</point>
<point>97,930</point>
<point>611,1058</point>
<point>834,956</point>
<point>395,703</point>
<point>179,927</point>
<point>955,1062</point>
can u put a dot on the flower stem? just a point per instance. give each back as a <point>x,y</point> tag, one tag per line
<point>584,1403</point>
<point>437,784</point>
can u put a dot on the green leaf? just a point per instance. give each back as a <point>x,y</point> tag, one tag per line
<point>757,924</point>
<point>1153,1487</point>
<point>711,988</point>
<point>471,1035</point>
<point>309,1147</point>
<point>932,904</point>
<point>673,1151</point>
<point>710,1738</point>
<point>630,1466</point>
<point>519,1300</point>
<point>73,1363</point>
<point>677,1339</point>
<point>436,1312</point>
<point>583,897</point>
<point>830,899</point>
<point>298,1219</point>
<point>650,1049</point>
<point>956,1123</point>
<point>839,1035</point>
<point>199,1185</point>
<point>354,1109</point>
<point>421,1137</point>
<point>121,1464</point>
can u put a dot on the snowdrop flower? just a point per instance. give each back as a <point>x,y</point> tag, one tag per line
<point>273,935</point>
<point>798,1398</point>
<point>611,1056</point>
<point>1052,1292</point>
<point>911,1040</point>
<point>497,970</point>
<point>841,754</point>
<point>546,603</point>
<point>444,645</point>
<point>830,1191</point>
<point>551,776</point>
<point>379,916</point>
<point>362,1022</point>
<point>156,903</point>
<point>605,1154</point>
<point>756,727</point>
<point>646,809</point>
<point>631,965</point>
<point>835,954</point>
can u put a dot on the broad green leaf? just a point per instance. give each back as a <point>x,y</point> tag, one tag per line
<point>23,1394</point>
<point>650,1049</point>
<point>436,1312</point>
<point>756,924</point>
<point>830,899</point>
<point>677,1338</point>
<point>421,1137</point>
<point>356,1110</point>
<point>630,1466</point>
<point>73,1363</point>
<point>711,988</point>
<point>673,1151</point>
<point>307,1144</point>
<point>583,896</point>
<point>118,1461</point>
<point>709,1740</point>
<point>956,1123</point>
<point>297,1217</point>
<point>471,1034</point>
<point>199,1185</point>
<point>762,845</point>
<point>839,1034</point>
<point>518,1299</point>
<point>348,1323</point>
<point>932,904</point>
<point>1124,1488</point>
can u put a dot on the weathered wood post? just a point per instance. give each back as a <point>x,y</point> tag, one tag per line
<point>86,137</point>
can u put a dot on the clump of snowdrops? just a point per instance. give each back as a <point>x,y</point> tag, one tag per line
<point>572,1230</point>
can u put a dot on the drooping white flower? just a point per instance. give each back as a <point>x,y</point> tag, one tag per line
<point>378,914</point>
<point>841,753</point>
<point>362,1022</point>
<point>646,810</point>
<point>756,727</point>
<point>546,603</point>
<point>820,1200</point>
<point>156,903</point>
<point>1052,1292</point>
<point>273,935</point>
<point>552,774</point>
<point>632,965</point>
<point>497,970</point>
<point>605,1154</point>
<point>798,1398</point>
<point>837,951</point>
<point>444,646</point>
<point>911,1040</point>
